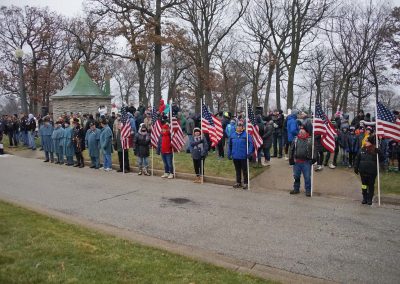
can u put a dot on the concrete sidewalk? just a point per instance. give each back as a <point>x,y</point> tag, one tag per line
<point>322,238</point>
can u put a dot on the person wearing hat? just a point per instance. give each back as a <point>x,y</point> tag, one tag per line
<point>239,151</point>
<point>278,120</point>
<point>364,136</point>
<point>189,127</point>
<point>165,149</point>
<point>106,144</point>
<point>292,126</point>
<point>67,143</point>
<point>78,139</point>
<point>300,157</point>
<point>57,139</point>
<point>142,149</point>
<point>45,133</point>
<point>123,153</point>
<point>92,143</point>
<point>366,166</point>
<point>199,147</point>
<point>353,146</point>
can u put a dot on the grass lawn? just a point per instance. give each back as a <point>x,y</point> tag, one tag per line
<point>183,162</point>
<point>38,249</point>
<point>390,183</point>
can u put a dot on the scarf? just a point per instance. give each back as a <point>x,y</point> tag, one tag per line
<point>200,145</point>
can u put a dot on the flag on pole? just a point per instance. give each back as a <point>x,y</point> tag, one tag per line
<point>387,126</point>
<point>177,139</point>
<point>125,128</point>
<point>211,125</point>
<point>253,128</point>
<point>324,127</point>
<point>155,128</point>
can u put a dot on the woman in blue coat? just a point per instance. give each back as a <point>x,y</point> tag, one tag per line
<point>92,141</point>
<point>239,152</point>
<point>57,138</point>
<point>67,143</point>
<point>45,133</point>
<point>106,144</point>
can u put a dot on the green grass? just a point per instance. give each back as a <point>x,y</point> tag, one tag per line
<point>183,162</point>
<point>39,249</point>
<point>390,183</point>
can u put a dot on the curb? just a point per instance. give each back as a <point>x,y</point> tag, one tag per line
<point>241,266</point>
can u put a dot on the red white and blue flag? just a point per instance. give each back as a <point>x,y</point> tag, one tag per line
<point>155,128</point>
<point>177,140</point>
<point>125,128</point>
<point>211,125</point>
<point>387,125</point>
<point>324,127</point>
<point>253,129</point>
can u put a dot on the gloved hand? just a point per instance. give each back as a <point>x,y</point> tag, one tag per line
<point>356,171</point>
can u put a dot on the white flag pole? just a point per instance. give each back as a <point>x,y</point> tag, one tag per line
<point>377,155</point>
<point>201,133</point>
<point>312,149</point>
<point>152,148</point>
<point>172,133</point>
<point>123,156</point>
<point>247,145</point>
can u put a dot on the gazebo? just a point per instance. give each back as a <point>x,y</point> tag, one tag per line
<point>81,95</point>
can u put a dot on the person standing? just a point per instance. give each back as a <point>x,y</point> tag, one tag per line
<point>300,157</point>
<point>31,128</point>
<point>292,126</point>
<point>57,139</point>
<point>123,154</point>
<point>68,143</point>
<point>366,166</point>
<point>142,149</point>
<point>106,144</point>
<point>78,138</point>
<point>45,133</point>
<point>92,142</point>
<point>240,150</point>
<point>189,132</point>
<point>278,132</point>
<point>199,153</point>
<point>267,141</point>
<point>165,149</point>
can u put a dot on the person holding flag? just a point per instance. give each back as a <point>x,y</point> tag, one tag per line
<point>121,145</point>
<point>142,149</point>
<point>240,149</point>
<point>165,149</point>
<point>199,148</point>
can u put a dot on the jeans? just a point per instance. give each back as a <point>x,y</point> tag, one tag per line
<point>277,140</point>
<point>31,140</point>
<point>107,161</point>
<point>298,169</point>
<point>70,160</point>
<point>95,161</point>
<point>167,160</point>
<point>143,162</point>
<point>241,166</point>
<point>24,137</point>
<point>49,156</point>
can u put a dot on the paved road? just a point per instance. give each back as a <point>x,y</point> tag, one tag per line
<point>329,238</point>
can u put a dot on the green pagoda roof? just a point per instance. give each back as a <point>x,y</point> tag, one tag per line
<point>82,85</point>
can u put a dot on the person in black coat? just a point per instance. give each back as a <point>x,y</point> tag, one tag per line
<point>366,166</point>
<point>78,138</point>
<point>142,149</point>
<point>199,152</point>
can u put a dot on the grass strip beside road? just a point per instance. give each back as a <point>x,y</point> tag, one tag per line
<point>39,249</point>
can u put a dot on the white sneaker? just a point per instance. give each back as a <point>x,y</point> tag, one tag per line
<point>171,176</point>
<point>165,175</point>
<point>286,158</point>
<point>266,164</point>
<point>332,166</point>
<point>318,168</point>
<point>108,170</point>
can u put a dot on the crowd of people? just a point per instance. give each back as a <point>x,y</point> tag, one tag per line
<point>283,136</point>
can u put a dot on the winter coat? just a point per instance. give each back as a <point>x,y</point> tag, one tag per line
<point>344,138</point>
<point>354,144</point>
<point>230,128</point>
<point>394,149</point>
<point>366,162</point>
<point>199,148</point>
<point>142,145</point>
<point>106,140</point>
<point>300,150</point>
<point>292,127</point>
<point>268,134</point>
<point>57,140</point>
<point>45,133</point>
<point>164,143</point>
<point>67,142</point>
<point>92,142</point>
<point>237,146</point>
<point>78,139</point>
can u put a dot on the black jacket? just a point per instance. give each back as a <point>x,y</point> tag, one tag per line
<point>142,145</point>
<point>366,162</point>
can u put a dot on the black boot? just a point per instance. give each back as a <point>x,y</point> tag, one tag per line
<point>364,194</point>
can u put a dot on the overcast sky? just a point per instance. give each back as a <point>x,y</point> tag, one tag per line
<point>74,7</point>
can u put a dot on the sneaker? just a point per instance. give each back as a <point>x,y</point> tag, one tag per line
<point>294,192</point>
<point>108,170</point>
<point>237,185</point>
<point>318,168</point>
<point>139,173</point>
<point>245,186</point>
<point>286,158</point>
<point>170,176</point>
<point>165,175</point>
<point>308,194</point>
<point>332,166</point>
<point>146,173</point>
<point>266,164</point>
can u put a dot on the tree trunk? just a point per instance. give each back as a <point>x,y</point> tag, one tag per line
<point>142,82</point>
<point>157,56</point>
<point>345,95</point>
<point>268,89</point>
<point>278,86</point>
<point>206,84</point>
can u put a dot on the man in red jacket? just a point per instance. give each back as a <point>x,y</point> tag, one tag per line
<point>165,149</point>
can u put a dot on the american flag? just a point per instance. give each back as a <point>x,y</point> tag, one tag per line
<point>177,140</point>
<point>125,129</point>
<point>324,127</point>
<point>211,125</point>
<point>253,128</point>
<point>155,127</point>
<point>387,125</point>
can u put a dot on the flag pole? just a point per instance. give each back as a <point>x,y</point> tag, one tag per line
<point>123,156</point>
<point>377,155</point>
<point>151,146</point>
<point>201,133</point>
<point>247,145</point>
<point>312,149</point>
<point>172,133</point>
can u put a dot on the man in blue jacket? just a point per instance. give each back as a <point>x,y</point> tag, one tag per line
<point>239,152</point>
<point>292,126</point>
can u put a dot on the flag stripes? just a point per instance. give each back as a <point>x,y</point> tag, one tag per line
<point>125,128</point>
<point>387,125</point>
<point>211,125</point>
<point>253,128</point>
<point>324,127</point>
<point>177,139</point>
<point>155,128</point>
